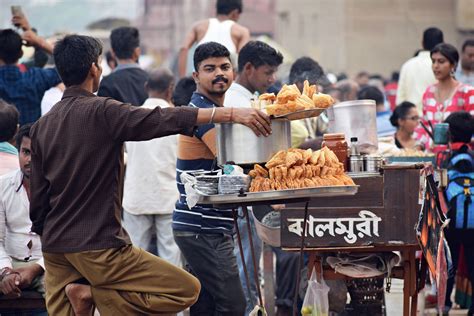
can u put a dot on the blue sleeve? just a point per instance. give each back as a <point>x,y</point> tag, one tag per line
<point>201,130</point>
<point>47,78</point>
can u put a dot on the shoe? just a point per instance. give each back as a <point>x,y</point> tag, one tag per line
<point>431,301</point>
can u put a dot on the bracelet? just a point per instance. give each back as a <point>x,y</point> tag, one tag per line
<point>212,115</point>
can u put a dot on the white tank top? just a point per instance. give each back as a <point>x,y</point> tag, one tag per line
<point>220,32</point>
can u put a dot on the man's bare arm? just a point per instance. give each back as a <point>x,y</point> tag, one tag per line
<point>243,37</point>
<point>189,40</point>
<point>256,120</point>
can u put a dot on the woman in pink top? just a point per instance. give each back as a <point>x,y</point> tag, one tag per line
<point>445,96</point>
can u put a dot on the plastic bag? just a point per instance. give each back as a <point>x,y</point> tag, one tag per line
<point>316,302</point>
<point>364,265</point>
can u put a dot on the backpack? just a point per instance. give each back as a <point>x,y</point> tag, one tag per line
<point>460,191</point>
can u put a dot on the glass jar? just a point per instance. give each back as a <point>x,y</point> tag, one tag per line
<point>337,143</point>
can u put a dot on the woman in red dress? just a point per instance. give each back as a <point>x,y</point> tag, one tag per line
<point>446,96</point>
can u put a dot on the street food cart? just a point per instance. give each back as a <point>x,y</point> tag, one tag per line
<point>325,211</point>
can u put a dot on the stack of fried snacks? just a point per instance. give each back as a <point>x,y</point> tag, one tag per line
<point>290,100</point>
<point>297,168</point>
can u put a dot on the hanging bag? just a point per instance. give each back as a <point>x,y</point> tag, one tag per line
<point>316,301</point>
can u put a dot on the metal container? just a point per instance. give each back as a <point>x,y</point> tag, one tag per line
<point>356,163</point>
<point>237,143</point>
<point>355,119</point>
<point>373,163</point>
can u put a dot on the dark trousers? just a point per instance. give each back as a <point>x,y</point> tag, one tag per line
<point>455,240</point>
<point>211,259</point>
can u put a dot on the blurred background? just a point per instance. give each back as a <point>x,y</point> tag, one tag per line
<point>343,35</point>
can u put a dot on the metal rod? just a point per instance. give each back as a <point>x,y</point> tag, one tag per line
<point>242,257</point>
<point>254,260</point>
<point>300,263</point>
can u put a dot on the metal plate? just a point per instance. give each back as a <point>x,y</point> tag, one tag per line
<point>272,196</point>
<point>299,115</point>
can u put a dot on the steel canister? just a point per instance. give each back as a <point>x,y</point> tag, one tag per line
<point>356,163</point>
<point>373,163</point>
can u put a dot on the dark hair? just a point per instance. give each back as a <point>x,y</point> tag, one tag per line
<point>461,126</point>
<point>209,50</point>
<point>395,76</point>
<point>401,112</point>
<point>9,116</point>
<point>24,131</point>
<point>10,46</point>
<point>227,6</point>
<point>160,80</point>
<point>469,42</point>
<point>431,37</point>
<point>110,58</point>
<point>258,54</point>
<point>306,68</point>
<point>448,51</point>
<point>371,93</point>
<point>183,91</point>
<point>124,40</point>
<point>74,56</point>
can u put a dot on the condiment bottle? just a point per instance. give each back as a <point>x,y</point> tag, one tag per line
<point>356,160</point>
<point>337,143</point>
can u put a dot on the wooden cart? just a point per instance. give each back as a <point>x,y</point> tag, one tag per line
<point>380,217</point>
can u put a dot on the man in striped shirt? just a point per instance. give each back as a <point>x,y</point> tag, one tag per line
<point>203,233</point>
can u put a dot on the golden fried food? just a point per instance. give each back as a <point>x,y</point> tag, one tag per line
<point>267,97</point>
<point>253,173</point>
<point>260,170</point>
<point>290,99</point>
<point>271,172</point>
<point>322,101</point>
<point>278,159</point>
<point>298,168</point>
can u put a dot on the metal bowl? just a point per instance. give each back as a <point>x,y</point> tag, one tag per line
<point>238,144</point>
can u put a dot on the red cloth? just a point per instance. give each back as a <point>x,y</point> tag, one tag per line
<point>391,94</point>
<point>435,112</point>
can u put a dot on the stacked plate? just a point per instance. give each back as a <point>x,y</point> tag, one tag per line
<point>207,184</point>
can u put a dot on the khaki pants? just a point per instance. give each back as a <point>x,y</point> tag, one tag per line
<point>124,281</point>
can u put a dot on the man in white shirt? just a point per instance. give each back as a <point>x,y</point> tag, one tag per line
<point>416,74</point>
<point>150,180</point>
<point>257,66</point>
<point>222,29</point>
<point>21,259</point>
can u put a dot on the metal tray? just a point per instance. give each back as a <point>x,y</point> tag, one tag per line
<point>272,196</point>
<point>299,115</point>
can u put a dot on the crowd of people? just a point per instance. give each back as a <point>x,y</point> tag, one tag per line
<point>92,205</point>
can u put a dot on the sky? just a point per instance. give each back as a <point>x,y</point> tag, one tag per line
<point>50,16</point>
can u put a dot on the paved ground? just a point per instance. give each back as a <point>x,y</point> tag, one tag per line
<point>394,302</point>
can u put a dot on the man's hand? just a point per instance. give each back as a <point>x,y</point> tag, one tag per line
<point>21,21</point>
<point>10,285</point>
<point>34,39</point>
<point>258,121</point>
<point>28,274</point>
<point>31,38</point>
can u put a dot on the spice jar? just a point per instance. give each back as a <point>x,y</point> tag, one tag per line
<point>337,143</point>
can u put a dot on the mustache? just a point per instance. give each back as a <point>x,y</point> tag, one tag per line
<point>220,79</point>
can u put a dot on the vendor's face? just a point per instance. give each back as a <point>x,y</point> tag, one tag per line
<point>410,121</point>
<point>261,78</point>
<point>214,76</point>
<point>441,66</point>
<point>25,156</point>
